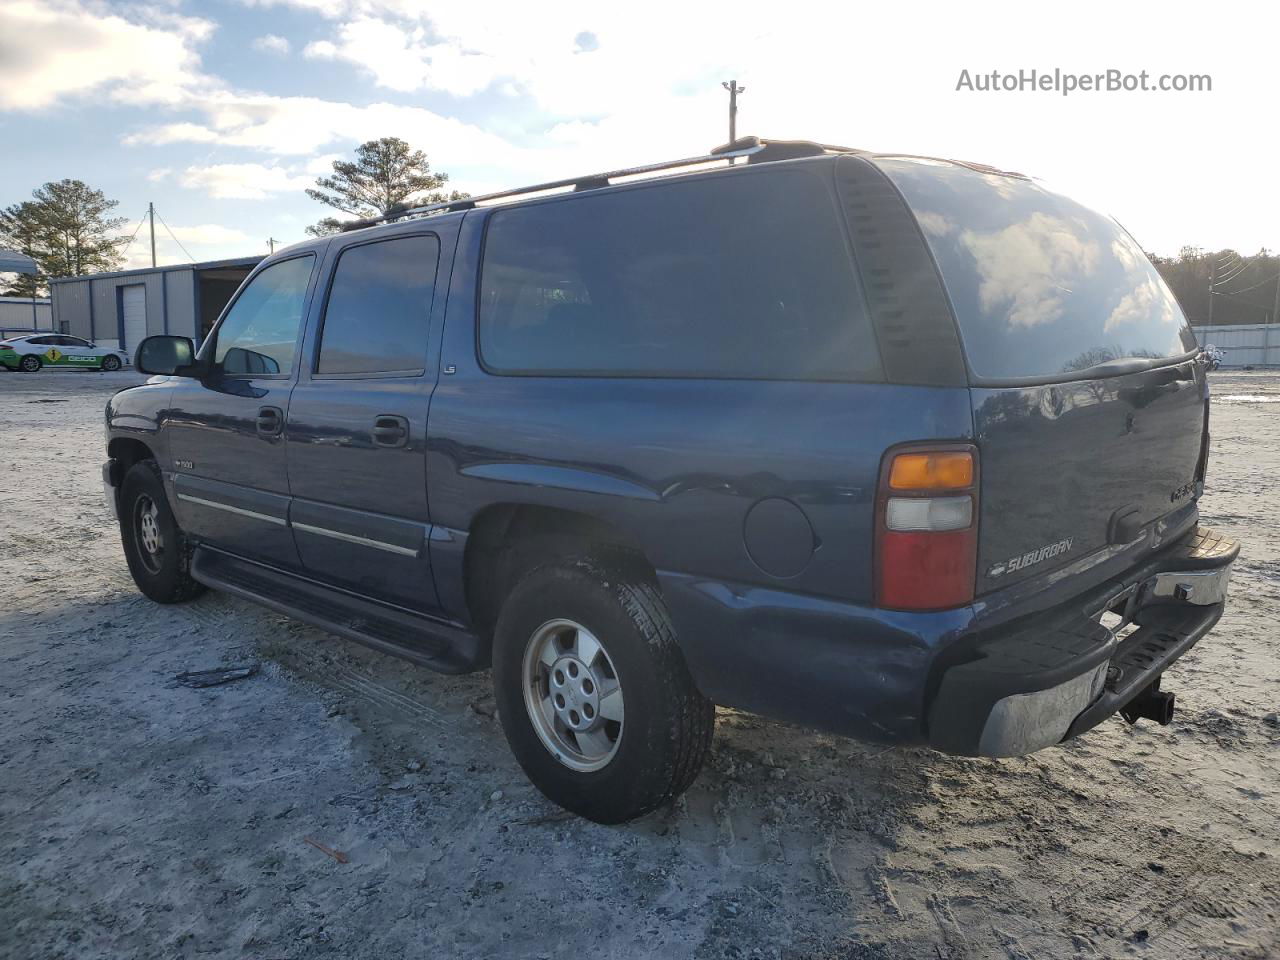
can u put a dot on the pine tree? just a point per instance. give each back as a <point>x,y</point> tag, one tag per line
<point>67,229</point>
<point>385,175</point>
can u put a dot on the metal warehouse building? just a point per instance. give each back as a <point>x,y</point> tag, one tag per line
<point>24,315</point>
<point>120,309</point>
<point>1244,344</point>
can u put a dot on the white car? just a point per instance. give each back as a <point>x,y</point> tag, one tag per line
<point>37,350</point>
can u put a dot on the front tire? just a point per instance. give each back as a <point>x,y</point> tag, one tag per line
<point>593,692</point>
<point>110,364</point>
<point>30,363</point>
<point>157,552</point>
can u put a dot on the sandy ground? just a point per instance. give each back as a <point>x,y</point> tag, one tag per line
<point>141,818</point>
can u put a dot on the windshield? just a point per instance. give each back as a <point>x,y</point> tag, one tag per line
<point>1041,286</point>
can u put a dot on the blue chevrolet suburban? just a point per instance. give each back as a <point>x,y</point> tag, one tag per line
<point>903,448</point>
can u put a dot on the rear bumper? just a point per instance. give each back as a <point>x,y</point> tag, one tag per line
<point>954,679</point>
<point>1052,678</point>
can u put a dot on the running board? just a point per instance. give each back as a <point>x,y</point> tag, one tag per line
<point>444,647</point>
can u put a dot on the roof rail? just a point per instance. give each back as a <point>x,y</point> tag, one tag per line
<point>755,149</point>
<point>766,151</point>
<point>967,164</point>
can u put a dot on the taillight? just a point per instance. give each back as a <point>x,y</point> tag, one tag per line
<point>927,527</point>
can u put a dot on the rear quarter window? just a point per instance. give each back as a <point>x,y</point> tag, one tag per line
<point>1040,285</point>
<point>738,276</point>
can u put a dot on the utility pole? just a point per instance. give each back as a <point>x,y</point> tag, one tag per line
<point>734,90</point>
<point>271,242</point>
<point>1213,278</point>
<point>151,213</point>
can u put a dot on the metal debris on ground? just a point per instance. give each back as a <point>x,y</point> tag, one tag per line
<point>211,678</point>
<point>336,854</point>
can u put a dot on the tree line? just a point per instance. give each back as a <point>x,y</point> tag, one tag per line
<point>1244,288</point>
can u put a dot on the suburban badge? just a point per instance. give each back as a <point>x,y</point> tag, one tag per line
<point>1030,558</point>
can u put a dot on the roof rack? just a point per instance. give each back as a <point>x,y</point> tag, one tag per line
<point>968,164</point>
<point>754,149</point>
<point>764,151</point>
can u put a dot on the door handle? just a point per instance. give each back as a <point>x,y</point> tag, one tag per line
<point>390,431</point>
<point>270,421</point>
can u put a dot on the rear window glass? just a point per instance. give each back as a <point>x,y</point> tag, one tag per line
<point>1040,284</point>
<point>379,305</point>
<point>741,276</point>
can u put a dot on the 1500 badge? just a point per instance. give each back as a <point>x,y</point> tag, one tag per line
<point>1030,558</point>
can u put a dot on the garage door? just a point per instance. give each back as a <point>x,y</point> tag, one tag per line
<point>133,304</point>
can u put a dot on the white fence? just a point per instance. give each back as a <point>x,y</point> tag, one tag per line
<point>1245,344</point>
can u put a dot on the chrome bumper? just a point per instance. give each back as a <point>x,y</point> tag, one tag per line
<point>1052,676</point>
<point>1026,722</point>
<point>1200,587</point>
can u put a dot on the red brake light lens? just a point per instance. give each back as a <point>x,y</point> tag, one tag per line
<point>927,528</point>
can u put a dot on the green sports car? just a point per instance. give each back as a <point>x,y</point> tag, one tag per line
<point>32,352</point>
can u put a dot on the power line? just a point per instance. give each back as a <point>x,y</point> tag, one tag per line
<point>175,239</point>
<point>1237,273</point>
<point>133,236</point>
<point>1232,293</point>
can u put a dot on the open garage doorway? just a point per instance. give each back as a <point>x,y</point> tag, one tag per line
<point>214,289</point>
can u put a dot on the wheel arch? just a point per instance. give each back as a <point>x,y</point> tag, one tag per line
<point>506,540</point>
<point>127,451</point>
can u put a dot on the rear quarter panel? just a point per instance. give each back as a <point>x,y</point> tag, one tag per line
<point>675,464</point>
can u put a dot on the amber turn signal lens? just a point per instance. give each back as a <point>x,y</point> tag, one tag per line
<point>931,471</point>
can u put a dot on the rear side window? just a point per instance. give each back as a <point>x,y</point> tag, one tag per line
<point>740,276</point>
<point>259,334</point>
<point>379,306</point>
<point>1041,285</point>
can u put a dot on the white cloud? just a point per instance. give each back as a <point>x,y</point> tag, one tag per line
<point>405,59</point>
<point>320,50</point>
<point>53,50</point>
<point>205,241</point>
<point>272,43</point>
<point>211,235</point>
<point>304,125</point>
<point>243,181</point>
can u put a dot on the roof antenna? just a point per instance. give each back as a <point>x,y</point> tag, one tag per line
<point>734,90</point>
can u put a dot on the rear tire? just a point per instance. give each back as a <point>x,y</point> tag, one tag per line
<point>30,363</point>
<point>569,732</point>
<point>110,364</point>
<point>158,553</point>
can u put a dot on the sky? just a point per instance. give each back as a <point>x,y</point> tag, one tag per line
<point>222,112</point>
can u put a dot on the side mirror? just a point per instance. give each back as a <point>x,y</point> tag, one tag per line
<point>166,356</point>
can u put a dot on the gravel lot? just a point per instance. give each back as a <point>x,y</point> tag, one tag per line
<point>141,818</point>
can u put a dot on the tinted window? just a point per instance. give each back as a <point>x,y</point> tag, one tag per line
<point>1040,284</point>
<point>42,341</point>
<point>379,304</point>
<point>746,275</point>
<point>260,333</point>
